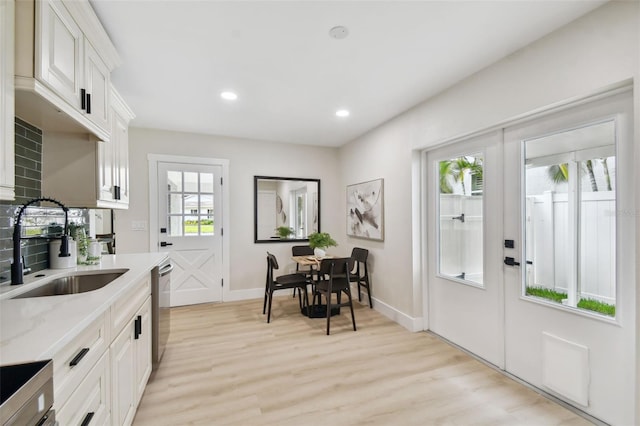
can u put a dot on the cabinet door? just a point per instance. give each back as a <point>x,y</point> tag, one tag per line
<point>59,41</point>
<point>7,169</point>
<point>123,363</point>
<point>143,349</point>
<point>120,132</point>
<point>97,85</point>
<point>106,168</point>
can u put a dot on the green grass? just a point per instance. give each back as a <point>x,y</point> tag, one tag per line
<point>545,293</point>
<point>193,229</point>
<point>587,304</point>
<point>597,306</point>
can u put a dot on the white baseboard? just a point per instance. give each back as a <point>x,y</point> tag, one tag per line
<point>237,295</point>
<point>410,323</point>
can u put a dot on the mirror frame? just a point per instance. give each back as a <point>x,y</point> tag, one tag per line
<point>255,208</point>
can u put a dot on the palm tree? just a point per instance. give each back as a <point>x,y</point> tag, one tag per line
<point>606,173</point>
<point>559,172</point>
<point>445,172</point>
<point>592,176</point>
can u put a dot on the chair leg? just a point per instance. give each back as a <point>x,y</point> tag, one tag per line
<point>264,306</point>
<point>359,292</point>
<point>353,317</point>
<point>369,293</point>
<point>269,311</point>
<point>328,297</point>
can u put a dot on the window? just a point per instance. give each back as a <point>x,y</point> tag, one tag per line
<point>570,226</point>
<point>460,207</point>
<point>190,198</point>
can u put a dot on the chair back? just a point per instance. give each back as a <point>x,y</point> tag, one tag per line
<point>359,254</point>
<point>301,250</point>
<point>339,267</point>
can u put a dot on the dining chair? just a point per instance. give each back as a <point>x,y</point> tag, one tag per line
<point>301,251</point>
<point>361,273</point>
<point>283,282</point>
<point>333,278</point>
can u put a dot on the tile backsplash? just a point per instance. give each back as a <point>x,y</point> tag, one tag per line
<point>39,220</point>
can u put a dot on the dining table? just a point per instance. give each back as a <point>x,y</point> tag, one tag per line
<point>320,310</point>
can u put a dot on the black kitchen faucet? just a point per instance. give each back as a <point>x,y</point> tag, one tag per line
<point>17,267</point>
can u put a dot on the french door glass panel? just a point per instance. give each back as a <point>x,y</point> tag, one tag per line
<point>570,225</point>
<point>460,228</point>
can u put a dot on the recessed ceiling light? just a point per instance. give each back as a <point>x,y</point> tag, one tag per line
<point>230,96</point>
<point>339,32</point>
<point>342,113</point>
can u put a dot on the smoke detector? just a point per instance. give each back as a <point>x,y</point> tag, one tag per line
<point>339,32</point>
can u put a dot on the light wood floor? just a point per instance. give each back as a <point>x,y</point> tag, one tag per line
<point>224,365</point>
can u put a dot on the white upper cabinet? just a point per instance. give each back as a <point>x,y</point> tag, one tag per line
<point>60,42</point>
<point>7,136</point>
<point>64,59</point>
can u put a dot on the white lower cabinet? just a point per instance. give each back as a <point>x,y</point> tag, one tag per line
<point>100,376</point>
<point>131,365</point>
<point>90,403</point>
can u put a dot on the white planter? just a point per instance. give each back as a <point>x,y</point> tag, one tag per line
<point>319,253</point>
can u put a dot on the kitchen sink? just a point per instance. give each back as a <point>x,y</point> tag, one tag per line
<point>73,284</point>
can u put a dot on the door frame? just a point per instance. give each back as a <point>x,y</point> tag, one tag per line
<point>153,160</point>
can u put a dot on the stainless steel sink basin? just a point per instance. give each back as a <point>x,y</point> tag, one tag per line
<point>73,284</point>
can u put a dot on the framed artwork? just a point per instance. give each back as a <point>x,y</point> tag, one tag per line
<point>365,210</point>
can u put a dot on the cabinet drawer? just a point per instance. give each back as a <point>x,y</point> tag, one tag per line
<point>76,359</point>
<point>122,311</point>
<point>89,404</point>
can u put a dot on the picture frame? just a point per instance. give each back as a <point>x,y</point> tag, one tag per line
<point>365,210</point>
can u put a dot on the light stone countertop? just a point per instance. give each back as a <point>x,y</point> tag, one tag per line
<point>36,328</point>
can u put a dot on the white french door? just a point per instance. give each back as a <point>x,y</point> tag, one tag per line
<point>540,279</point>
<point>569,188</point>
<point>465,301</point>
<point>189,212</point>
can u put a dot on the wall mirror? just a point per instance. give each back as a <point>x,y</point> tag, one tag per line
<point>285,208</point>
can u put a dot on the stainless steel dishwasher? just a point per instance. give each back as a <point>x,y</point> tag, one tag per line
<point>160,304</point>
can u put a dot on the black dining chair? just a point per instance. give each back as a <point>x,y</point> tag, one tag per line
<point>333,278</point>
<point>283,282</point>
<point>301,251</point>
<point>361,273</point>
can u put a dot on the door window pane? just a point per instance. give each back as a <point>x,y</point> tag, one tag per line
<point>190,182</point>
<point>175,226</point>
<point>460,205</point>
<point>570,226</point>
<point>174,179</point>
<point>206,182</point>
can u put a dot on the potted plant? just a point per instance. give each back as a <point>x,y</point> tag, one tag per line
<point>284,231</point>
<point>319,241</point>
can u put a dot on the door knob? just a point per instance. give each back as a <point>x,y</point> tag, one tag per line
<point>511,261</point>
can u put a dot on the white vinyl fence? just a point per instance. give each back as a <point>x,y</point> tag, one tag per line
<point>547,243</point>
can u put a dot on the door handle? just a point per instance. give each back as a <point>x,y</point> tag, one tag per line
<point>460,218</point>
<point>164,244</point>
<point>511,261</point>
<point>88,103</point>
<point>83,99</point>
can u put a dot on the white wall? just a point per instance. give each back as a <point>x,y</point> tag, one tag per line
<point>594,51</point>
<point>247,158</point>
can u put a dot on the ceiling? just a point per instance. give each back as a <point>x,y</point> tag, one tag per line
<point>291,76</point>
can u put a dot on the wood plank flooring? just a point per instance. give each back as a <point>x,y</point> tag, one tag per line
<point>224,365</point>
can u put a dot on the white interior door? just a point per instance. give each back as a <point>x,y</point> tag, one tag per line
<point>569,190</point>
<point>189,228</point>
<point>465,302</point>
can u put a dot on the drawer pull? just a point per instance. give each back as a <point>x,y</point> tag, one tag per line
<point>76,360</point>
<point>87,419</point>
<point>138,327</point>
<point>83,99</point>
